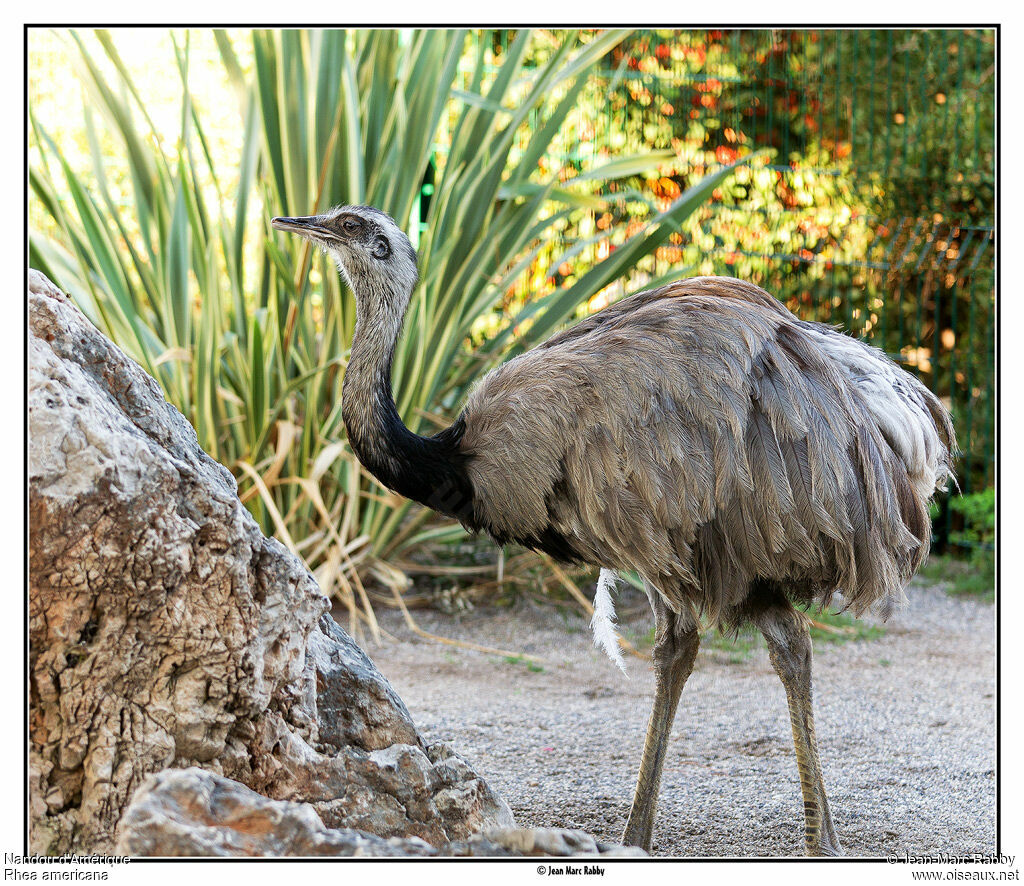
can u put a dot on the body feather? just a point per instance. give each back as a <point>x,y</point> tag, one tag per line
<point>603,621</point>
<point>707,438</point>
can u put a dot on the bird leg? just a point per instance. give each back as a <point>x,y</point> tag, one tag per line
<point>789,647</point>
<point>675,648</point>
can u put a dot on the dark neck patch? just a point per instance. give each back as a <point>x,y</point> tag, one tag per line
<point>428,470</point>
<point>432,471</point>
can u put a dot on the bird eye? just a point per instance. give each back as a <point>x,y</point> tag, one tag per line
<point>350,225</point>
<point>382,249</point>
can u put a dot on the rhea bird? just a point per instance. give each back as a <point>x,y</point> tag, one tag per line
<point>740,460</point>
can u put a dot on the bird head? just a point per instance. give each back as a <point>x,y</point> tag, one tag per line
<point>371,251</point>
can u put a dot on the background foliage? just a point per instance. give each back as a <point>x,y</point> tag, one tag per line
<point>543,175</point>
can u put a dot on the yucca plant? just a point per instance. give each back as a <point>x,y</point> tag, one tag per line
<point>247,332</point>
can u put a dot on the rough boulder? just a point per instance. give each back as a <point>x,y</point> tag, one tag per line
<point>167,632</point>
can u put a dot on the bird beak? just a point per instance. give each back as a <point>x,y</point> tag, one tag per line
<point>308,227</point>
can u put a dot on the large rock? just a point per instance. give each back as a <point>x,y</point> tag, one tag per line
<point>166,631</point>
<point>194,812</point>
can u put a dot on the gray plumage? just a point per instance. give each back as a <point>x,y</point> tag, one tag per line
<point>702,435</point>
<point>739,459</point>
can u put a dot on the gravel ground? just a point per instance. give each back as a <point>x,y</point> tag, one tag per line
<point>905,728</point>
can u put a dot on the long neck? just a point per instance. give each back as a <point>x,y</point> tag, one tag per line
<point>428,470</point>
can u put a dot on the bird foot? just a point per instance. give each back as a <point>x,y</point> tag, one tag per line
<point>637,835</point>
<point>825,850</point>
